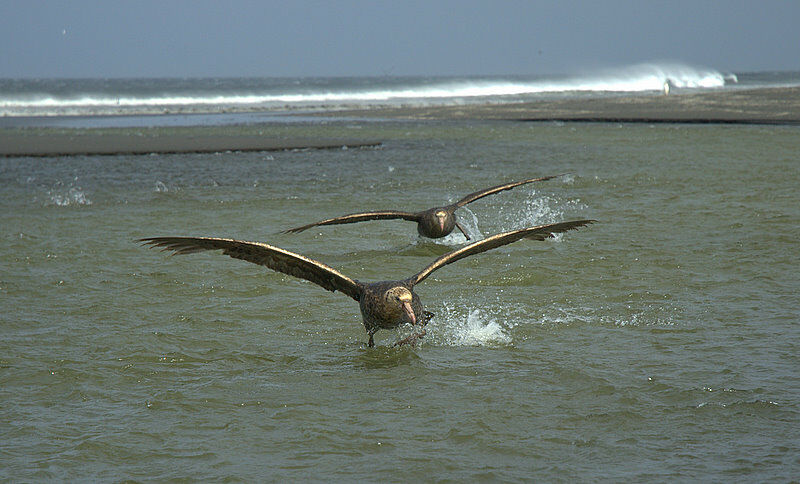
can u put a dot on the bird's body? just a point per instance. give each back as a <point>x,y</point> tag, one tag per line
<point>438,222</point>
<point>434,223</point>
<point>385,304</point>
<point>379,308</point>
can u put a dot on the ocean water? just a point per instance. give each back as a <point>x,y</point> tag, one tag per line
<point>659,344</point>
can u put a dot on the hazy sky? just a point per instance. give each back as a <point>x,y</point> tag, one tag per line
<point>171,38</point>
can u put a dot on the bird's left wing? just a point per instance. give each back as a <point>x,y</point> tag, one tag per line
<point>540,232</point>
<point>358,217</point>
<point>499,188</point>
<point>267,255</point>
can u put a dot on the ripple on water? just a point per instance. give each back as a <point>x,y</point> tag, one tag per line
<point>649,314</point>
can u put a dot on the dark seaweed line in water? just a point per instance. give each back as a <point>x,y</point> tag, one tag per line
<point>110,144</point>
<point>627,120</point>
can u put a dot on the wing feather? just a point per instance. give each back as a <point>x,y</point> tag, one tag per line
<point>540,232</point>
<point>499,188</point>
<point>267,255</point>
<point>358,217</point>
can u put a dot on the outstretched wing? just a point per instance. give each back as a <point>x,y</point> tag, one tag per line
<point>273,257</point>
<point>499,188</point>
<point>358,217</point>
<point>540,232</point>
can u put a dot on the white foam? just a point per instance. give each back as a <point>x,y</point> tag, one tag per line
<point>651,77</point>
<point>473,329</point>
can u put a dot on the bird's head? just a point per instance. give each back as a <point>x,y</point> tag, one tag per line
<point>401,297</point>
<point>441,218</point>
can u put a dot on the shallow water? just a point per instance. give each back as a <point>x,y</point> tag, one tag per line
<point>659,344</point>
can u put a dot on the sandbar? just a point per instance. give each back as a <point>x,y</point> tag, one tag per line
<point>771,106</point>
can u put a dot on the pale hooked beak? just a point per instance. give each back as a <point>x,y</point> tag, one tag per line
<point>408,310</point>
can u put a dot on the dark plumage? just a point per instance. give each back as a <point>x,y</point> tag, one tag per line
<point>435,222</point>
<point>384,305</point>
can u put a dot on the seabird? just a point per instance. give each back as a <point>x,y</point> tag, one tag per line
<point>385,304</point>
<point>434,223</point>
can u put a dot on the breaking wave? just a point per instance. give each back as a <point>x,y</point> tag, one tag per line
<point>138,96</point>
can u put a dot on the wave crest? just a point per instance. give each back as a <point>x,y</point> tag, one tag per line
<point>142,96</point>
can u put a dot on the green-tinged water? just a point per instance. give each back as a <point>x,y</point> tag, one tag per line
<point>661,343</point>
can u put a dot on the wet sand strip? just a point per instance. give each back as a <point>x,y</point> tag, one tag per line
<point>747,106</point>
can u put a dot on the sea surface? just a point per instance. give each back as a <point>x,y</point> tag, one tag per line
<point>659,344</point>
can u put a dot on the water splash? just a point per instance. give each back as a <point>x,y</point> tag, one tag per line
<point>469,221</point>
<point>73,196</point>
<point>161,187</point>
<point>538,211</point>
<point>453,328</point>
<point>476,331</point>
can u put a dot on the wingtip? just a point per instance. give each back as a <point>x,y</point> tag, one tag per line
<point>580,223</point>
<point>574,225</point>
<point>550,177</point>
<point>543,232</point>
<point>155,243</point>
<point>156,240</point>
<point>560,175</point>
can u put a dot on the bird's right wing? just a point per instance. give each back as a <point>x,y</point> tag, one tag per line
<point>499,188</point>
<point>358,217</point>
<point>540,232</point>
<point>270,256</point>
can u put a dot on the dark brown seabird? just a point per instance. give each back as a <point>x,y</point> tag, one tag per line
<point>385,304</point>
<point>434,222</point>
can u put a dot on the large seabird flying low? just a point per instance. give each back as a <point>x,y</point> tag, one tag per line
<point>434,222</point>
<point>385,304</point>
